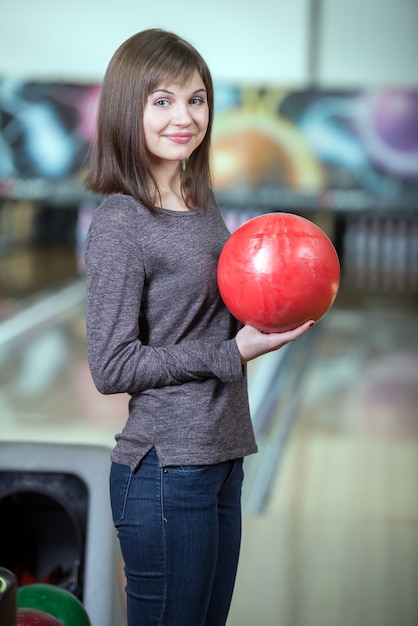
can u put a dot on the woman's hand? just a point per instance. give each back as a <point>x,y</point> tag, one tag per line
<point>252,343</point>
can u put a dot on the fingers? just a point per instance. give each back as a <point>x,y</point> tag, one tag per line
<point>291,335</point>
<point>252,343</point>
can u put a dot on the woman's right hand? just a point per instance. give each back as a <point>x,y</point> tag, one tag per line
<point>252,343</point>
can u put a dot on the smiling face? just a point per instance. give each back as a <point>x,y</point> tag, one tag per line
<point>176,119</point>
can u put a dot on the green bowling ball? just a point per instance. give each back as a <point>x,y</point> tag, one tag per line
<point>53,600</point>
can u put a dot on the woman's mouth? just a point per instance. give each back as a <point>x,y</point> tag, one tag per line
<point>179,137</point>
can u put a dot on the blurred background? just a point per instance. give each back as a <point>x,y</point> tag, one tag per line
<point>316,114</point>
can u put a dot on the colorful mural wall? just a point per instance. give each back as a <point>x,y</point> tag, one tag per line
<point>331,147</point>
<point>316,141</point>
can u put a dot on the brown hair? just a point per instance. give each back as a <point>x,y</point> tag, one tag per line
<point>119,161</point>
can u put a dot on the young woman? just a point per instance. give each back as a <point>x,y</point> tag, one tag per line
<point>158,330</point>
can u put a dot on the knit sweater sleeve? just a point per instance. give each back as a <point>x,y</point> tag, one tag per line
<point>119,361</point>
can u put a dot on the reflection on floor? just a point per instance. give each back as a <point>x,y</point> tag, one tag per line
<point>47,393</point>
<point>337,543</point>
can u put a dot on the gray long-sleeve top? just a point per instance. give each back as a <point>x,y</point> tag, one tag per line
<point>158,330</point>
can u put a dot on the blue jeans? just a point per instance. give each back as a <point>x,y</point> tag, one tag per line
<point>180,532</point>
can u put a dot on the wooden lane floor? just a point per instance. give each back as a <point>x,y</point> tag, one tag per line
<point>337,542</point>
<point>46,390</point>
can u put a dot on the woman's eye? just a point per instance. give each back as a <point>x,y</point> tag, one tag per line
<point>197,101</point>
<point>162,102</point>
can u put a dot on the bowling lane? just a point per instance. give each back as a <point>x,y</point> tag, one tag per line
<point>46,391</point>
<point>336,538</point>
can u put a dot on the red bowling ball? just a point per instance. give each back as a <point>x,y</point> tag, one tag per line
<point>277,271</point>
<point>35,617</point>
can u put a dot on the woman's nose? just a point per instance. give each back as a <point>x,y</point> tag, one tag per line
<point>181,114</point>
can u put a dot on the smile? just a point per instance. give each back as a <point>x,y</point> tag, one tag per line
<point>179,137</point>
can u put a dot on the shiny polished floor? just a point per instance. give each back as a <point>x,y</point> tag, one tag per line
<point>333,541</point>
<point>336,543</point>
